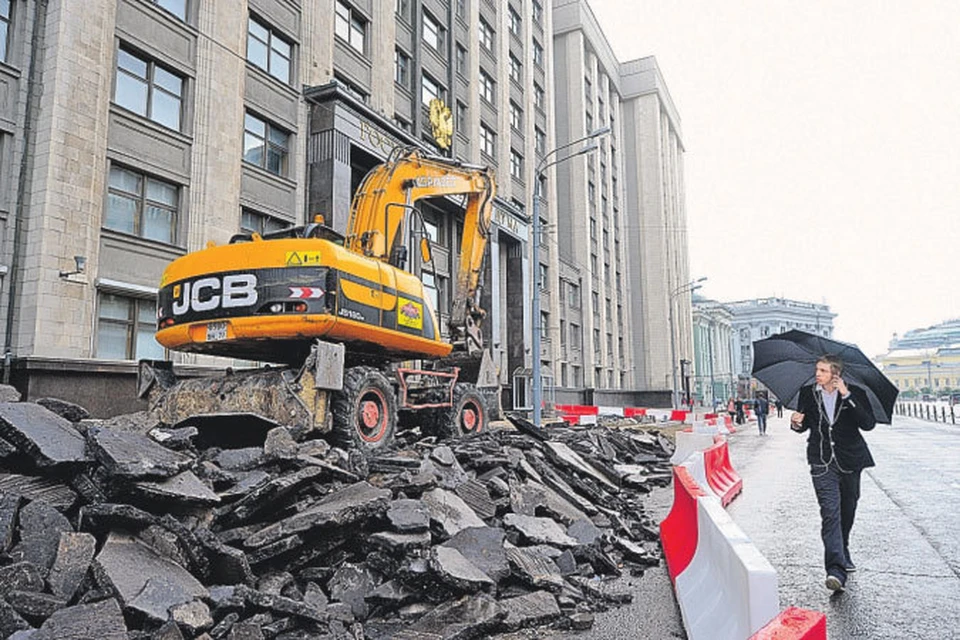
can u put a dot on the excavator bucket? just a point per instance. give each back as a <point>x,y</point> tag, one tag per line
<point>296,399</point>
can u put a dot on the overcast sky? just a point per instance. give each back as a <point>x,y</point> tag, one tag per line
<point>822,150</point>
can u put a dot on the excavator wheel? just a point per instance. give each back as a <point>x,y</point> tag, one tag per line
<point>365,410</point>
<point>467,417</point>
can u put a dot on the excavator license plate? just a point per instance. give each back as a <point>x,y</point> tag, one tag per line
<point>216,331</point>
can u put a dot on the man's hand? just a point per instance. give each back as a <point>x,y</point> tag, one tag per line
<point>796,421</point>
<point>841,386</point>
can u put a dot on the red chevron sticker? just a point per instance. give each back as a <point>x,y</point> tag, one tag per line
<point>303,293</point>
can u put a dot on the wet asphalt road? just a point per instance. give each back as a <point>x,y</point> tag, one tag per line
<point>905,542</point>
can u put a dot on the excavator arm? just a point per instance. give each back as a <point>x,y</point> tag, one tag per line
<point>379,217</point>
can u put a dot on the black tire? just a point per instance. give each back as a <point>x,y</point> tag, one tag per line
<point>467,417</point>
<point>365,411</point>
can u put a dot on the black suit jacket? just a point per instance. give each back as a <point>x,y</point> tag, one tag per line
<point>853,414</point>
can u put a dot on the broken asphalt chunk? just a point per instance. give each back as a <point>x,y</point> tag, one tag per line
<point>342,507</point>
<point>132,455</point>
<point>130,564</point>
<point>455,571</point>
<point>100,620</point>
<point>185,488</point>
<point>450,512</point>
<point>40,526</point>
<point>73,559</point>
<point>48,439</point>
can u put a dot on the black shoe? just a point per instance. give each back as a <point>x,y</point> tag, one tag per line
<point>833,583</point>
<point>849,567</point>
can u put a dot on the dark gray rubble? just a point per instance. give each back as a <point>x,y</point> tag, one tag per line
<point>141,533</point>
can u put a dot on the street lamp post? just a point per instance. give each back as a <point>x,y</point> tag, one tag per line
<point>689,287</point>
<point>545,163</point>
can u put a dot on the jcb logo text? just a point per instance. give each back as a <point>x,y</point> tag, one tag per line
<point>207,294</point>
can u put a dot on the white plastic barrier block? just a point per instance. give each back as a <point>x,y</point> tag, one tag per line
<point>698,471</point>
<point>588,419</point>
<point>705,427</point>
<point>688,442</point>
<point>729,590</point>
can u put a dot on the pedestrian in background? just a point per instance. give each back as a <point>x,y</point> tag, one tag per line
<point>762,407</point>
<point>835,413</point>
<point>779,406</point>
<point>732,409</point>
<point>738,405</point>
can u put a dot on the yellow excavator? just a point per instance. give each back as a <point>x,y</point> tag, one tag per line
<point>357,336</point>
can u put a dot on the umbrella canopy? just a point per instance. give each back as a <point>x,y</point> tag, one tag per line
<point>787,361</point>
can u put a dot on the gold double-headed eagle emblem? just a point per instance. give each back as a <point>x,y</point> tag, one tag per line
<point>441,123</point>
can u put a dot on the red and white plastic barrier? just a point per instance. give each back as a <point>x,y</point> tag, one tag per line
<point>711,468</point>
<point>728,591</point>
<point>721,477</point>
<point>689,442</point>
<point>794,623</point>
<point>678,531</point>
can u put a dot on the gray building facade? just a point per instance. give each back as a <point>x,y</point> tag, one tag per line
<point>135,131</point>
<point>620,220</point>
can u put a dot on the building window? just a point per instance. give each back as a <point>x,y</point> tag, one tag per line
<point>574,295</point>
<point>350,26</point>
<point>125,328</point>
<point>255,222</point>
<point>488,141</point>
<point>516,165</point>
<point>544,284</point>
<point>487,87</point>
<point>537,12</point>
<point>515,22</point>
<point>540,141</point>
<point>4,28</point>
<point>176,7</point>
<point>148,89</point>
<point>537,54</point>
<point>544,325</point>
<point>141,205</point>
<point>433,33</point>
<point>268,51</point>
<point>403,9</point>
<point>462,9</point>
<point>461,116</point>
<point>265,145</point>
<point>516,69</point>
<point>461,60</point>
<point>574,337</point>
<point>538,97</point>
<point>516,116</point>
<point>430,90</point>
<point>402,70</point>
<point>486,35</point>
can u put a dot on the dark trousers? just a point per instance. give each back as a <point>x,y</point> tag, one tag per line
<point>762,421</point>
<point>837,493</point>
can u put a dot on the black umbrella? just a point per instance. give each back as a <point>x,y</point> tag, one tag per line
<point>787,361</point>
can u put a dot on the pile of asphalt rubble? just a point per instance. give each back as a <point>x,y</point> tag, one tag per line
<point>126,529</point>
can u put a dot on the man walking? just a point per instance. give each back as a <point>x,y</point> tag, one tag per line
<point>762,407</point>
<point>835,413</point>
